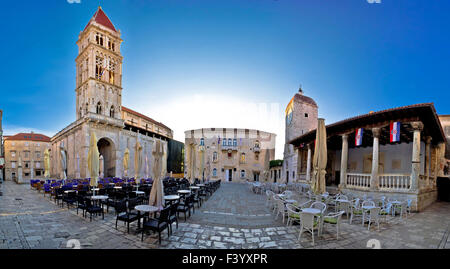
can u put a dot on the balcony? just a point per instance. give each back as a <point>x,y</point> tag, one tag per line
<point>230,147</point>
<point>256,149</point>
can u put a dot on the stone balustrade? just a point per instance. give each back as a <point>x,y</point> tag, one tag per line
<point>358,181</point>
<point>395,182</point>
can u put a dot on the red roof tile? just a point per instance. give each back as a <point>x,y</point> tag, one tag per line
<point>29,137</point>
<point>143,116</point>
<point>101,18</point>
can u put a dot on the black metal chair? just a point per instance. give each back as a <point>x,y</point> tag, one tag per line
<point>173,216</point>
<point>69,198</point>
<point>157,225</point>
<point>93,209</point>
<point>123,214</point>
<point>81,204</point>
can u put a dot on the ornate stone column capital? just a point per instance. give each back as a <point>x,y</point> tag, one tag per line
<point>376,132</point>
<point>417,125</point>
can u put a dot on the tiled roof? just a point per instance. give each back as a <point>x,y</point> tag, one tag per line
<point>101,18</point>
<point>426,112</point>
<point>143,116</point>
<point>29,137</point>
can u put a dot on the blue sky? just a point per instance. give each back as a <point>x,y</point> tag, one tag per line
<point>221,63</point>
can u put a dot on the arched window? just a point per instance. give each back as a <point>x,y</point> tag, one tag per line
<point>256,144</point>
<point>242,173</point>
<point>202,141</point>
<point>242,157</point>
<point>111,112</point>
<point>229,142</point>
<point>214,172</point>
<point>99,108</point>
<point>224,142</point>
<point>214,156</point>
<point>234,142</point>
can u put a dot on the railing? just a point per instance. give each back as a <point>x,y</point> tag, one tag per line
<point>394,181</point>
<point>227,147</point>
<point>358,181</point>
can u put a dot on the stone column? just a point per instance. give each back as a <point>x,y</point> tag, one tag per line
<point>308,165</point>
<point>415,162</point>
<point>344,160</point>
<point>427,158</point>
<point>375,159</point>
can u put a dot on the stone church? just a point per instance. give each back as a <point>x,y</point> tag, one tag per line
<point>99,109</point>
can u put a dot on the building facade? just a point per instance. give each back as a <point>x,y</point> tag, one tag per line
<point>301,117</point>
<point>233,155</point>
<point>276,166</point>
<point>365,159</point>
<point>2,154</point>
<point>99,110</point>
<point>24,156</point>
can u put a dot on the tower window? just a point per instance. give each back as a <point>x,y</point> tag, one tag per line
<point>99,108</point>
<point>306,115</point>
<point>111,112</point>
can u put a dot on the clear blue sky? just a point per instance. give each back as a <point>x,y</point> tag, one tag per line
<point>350,56</point>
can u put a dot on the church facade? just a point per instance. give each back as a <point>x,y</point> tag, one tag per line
<point>99,110</point>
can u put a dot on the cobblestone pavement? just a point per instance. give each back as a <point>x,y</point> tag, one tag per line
<point>232,218</point>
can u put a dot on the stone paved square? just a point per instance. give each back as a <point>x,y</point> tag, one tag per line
<point>28,220</point>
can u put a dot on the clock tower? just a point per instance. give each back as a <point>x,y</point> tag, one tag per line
<point>301,117</point>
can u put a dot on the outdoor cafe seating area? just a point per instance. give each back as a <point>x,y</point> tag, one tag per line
<point>130,200</point>
<point>296,204</point>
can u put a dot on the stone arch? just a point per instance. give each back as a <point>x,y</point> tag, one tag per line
<point>107,149</point>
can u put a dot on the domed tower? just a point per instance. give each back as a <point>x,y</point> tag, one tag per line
<point>301,117</point>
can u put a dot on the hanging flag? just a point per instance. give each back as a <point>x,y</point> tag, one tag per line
<point>358,137</point>
<point>395,131</point>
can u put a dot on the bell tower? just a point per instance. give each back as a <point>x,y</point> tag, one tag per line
<point>99,69</point>
<point>301,117</point>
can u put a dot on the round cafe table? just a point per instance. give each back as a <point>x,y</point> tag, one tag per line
<point>194,187</point>
<point>139,192</point>
<point>69,191</point>
<point>201,185</point>
<point>171,198</point>
<point>184,191</point>
<point>145,209</point>
<point>290,201</point>
<point>314,211</point>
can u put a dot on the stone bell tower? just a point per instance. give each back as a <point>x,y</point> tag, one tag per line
<point>99,69</point>
<point>301,117</point>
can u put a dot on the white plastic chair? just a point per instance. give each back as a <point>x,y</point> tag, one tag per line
<point>334,219</point>
<point>293,214</point>
<point>281,208</point>
<point>309,224</point>
<point>374,216</point>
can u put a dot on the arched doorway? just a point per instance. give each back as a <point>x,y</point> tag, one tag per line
<point>107,150</point>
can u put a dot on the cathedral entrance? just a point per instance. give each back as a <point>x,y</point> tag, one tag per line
<point>107,150</point>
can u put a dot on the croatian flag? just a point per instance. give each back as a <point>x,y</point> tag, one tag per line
<point>395,131</point>
<point>358,137</point>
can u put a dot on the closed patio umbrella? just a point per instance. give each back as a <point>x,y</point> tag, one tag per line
<point>47,163</point>
<point>126,161</point>
<point>93,159</point>
<point>137,160</point>
<point>157,192</point>
<point>320,159</point>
